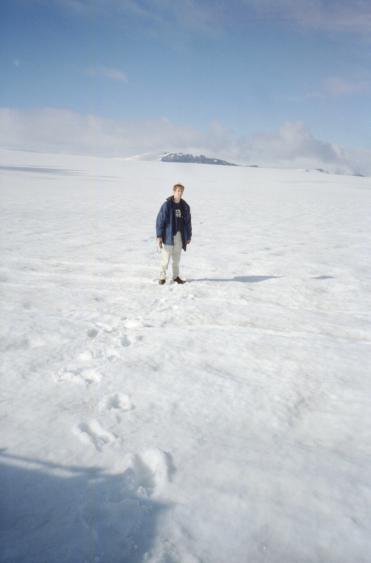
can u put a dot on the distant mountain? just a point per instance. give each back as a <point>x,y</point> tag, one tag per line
<point>321,170</point>
<point>200,159</point>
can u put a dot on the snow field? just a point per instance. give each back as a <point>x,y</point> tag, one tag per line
<point>225,420</point>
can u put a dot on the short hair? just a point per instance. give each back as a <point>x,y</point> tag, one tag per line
<point>178,186</point>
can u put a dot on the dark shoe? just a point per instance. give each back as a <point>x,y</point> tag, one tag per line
<point>178,280</point>
<point>161,282</point>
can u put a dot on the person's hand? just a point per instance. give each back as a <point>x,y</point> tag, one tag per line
<point>188,242</point>
<point>160,241</point>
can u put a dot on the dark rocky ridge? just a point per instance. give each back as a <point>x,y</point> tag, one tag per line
<point>200,159</point>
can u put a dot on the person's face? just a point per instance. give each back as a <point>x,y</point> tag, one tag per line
<point>178,192</point>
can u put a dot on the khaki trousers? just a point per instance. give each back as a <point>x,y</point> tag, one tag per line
<point>171,251</point>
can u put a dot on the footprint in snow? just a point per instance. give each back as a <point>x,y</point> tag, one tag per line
<point>92,433</point>
<point>84,376</point>
<point>92,333</point>
<point>149,472</point>
<point>106,327</point>
<point>117,402</point>
<point>128,340</point>
<point>125,341</point>
<point>90,376</point>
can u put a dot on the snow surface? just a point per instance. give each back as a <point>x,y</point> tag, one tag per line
<point>223,421</point>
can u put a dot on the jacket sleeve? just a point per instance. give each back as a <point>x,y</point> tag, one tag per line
<point>189,223</point>
<point>161,221</point>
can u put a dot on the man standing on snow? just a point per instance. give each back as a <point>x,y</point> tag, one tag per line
<point>174,231</point>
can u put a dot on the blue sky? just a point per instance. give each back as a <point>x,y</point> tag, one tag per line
<point>248,66</point>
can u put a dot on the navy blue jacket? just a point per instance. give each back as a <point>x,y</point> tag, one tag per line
<point>165,226</point>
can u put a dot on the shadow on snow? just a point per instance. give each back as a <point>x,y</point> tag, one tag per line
<point>40,170</point>
<point>243,279</point>
<point>52,513</point>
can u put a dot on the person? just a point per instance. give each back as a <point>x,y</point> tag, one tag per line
<point>173,231</point>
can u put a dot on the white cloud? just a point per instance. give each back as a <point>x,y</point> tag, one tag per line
<point>328,15</point>
<point>155,15</point>
<point>294,145</point>
<point>56,130</point>
<point>107,72</point>
<point>60,130</point>
<point>210,17</point>
<point>335,86</point>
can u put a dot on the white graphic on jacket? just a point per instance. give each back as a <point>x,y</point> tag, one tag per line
<point>178,223</point>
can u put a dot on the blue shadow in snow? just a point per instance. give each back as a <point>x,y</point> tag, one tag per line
<point>41,170</point>
<point>51,513</point>
<point>241,279</point>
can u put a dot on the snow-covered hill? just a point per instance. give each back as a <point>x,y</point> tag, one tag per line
<point>223,421</point>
